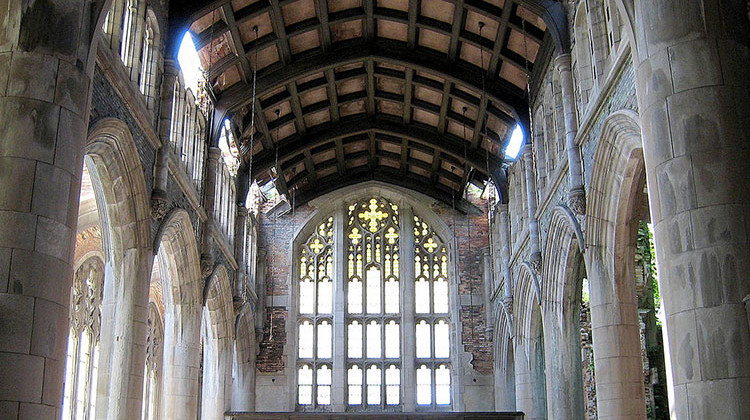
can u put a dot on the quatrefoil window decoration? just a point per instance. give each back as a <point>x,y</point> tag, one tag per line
<point>373,215</point>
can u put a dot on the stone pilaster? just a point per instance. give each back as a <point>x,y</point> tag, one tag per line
<point>531,205</point>
<point>576,192</point>
<point>505,252</point>
<point>692,88</point>
<point>209,203</point>
<point>339,317</point>
<point>240,254</point>
<point>408,341</point>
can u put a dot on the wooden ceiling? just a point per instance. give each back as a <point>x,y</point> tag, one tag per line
<point>354,90</point>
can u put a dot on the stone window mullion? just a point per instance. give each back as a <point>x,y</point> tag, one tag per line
<point>408,343</point>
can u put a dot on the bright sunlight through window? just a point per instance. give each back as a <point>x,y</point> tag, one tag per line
<point>516,139</point>
<point>190,64</point>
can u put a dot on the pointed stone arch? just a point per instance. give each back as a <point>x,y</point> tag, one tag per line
<point>218,330</point>
<point>179,264</point>
<point>120,191</point>
<point>616,182</point>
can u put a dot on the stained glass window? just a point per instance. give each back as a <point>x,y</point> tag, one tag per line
<point>373,296</point>
<point>315,323</point>
<point>371,318</point>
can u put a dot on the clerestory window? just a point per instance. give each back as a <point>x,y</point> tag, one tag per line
<point>360,339</point>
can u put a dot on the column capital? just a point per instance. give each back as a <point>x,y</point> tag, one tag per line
<point>563,62</point>
<point>214,153</point>
<point>527,151</point>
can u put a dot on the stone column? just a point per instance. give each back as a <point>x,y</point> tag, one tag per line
<point>45,82</point>
<point>692,87</point>
<point>408,331</point>
<point>576,192</point>
<point>528,164</point>
<point>562,350</point>
<point>209,203</point>
<point>339,393</point>
<point>240,253</point>
<point>505,254</point>
<point>489,290</point>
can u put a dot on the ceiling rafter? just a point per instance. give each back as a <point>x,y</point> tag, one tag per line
<point>239,49</point>
<point>498,91</point>
<point>446,143</point>
<point>459,12</point>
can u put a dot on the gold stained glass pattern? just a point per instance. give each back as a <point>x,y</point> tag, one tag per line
<point>373,304</point>
<point>314,326</point>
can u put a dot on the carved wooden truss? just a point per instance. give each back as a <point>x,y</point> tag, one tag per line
<point>374,89</point>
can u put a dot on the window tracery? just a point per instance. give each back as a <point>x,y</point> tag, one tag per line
<point>372,316</point>
<point>151,372</point>
<point>82,360</point>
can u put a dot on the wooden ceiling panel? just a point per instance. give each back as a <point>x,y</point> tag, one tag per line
<point>498,127</point>
<point>531,17</point>
<point>283,131</point>
<point>434,40</point>
<point>389,146</point>
<point>438,9</point>
<point>304,41</point>
<point>228,78</point>
<point>284,108</point>
<point>389,162</point>
<point>419,171</point>
<point>472,54</point>
<point>428,95</point>
<point>316,76</point>
<point>491,25</point>
<point>324,156</point>
<point>392,30</point>
<point>513,74</point>
<point>390,66</point>
<point>350,86</point>
<point>523,45</point>
<point>298,11</point>
<point>457,129</point>
<point>402,5</point>
<point>388,84</point>
<point>390,107</point>
<point>266,57</point>
<point>356,162</point>
<point>241,4</point>
<point>205,22</point>
<point>322,173</point>
<point>263,21</point>
<point>426,117</point>
<point>294,170</point>
<point>317,118</point>
<point>454,169</point>
<point>355,146</point>
<point>457,106</point>
<point>216,50</point>
<point>346,30</point>
<point>448,183</point>
<point>352,108</point>
<point>313,96</point>
<point>421,155</point>
<point>496,3</point>
<point>339,5</point>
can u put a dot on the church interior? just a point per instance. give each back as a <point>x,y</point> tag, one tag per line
<point>387,209</point>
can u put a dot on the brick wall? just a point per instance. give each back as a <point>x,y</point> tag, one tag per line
<point>275,234</point>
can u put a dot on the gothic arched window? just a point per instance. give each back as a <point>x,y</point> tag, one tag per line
<point>152,369</point>
<point>82,360</point>
<point>355,306</point>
